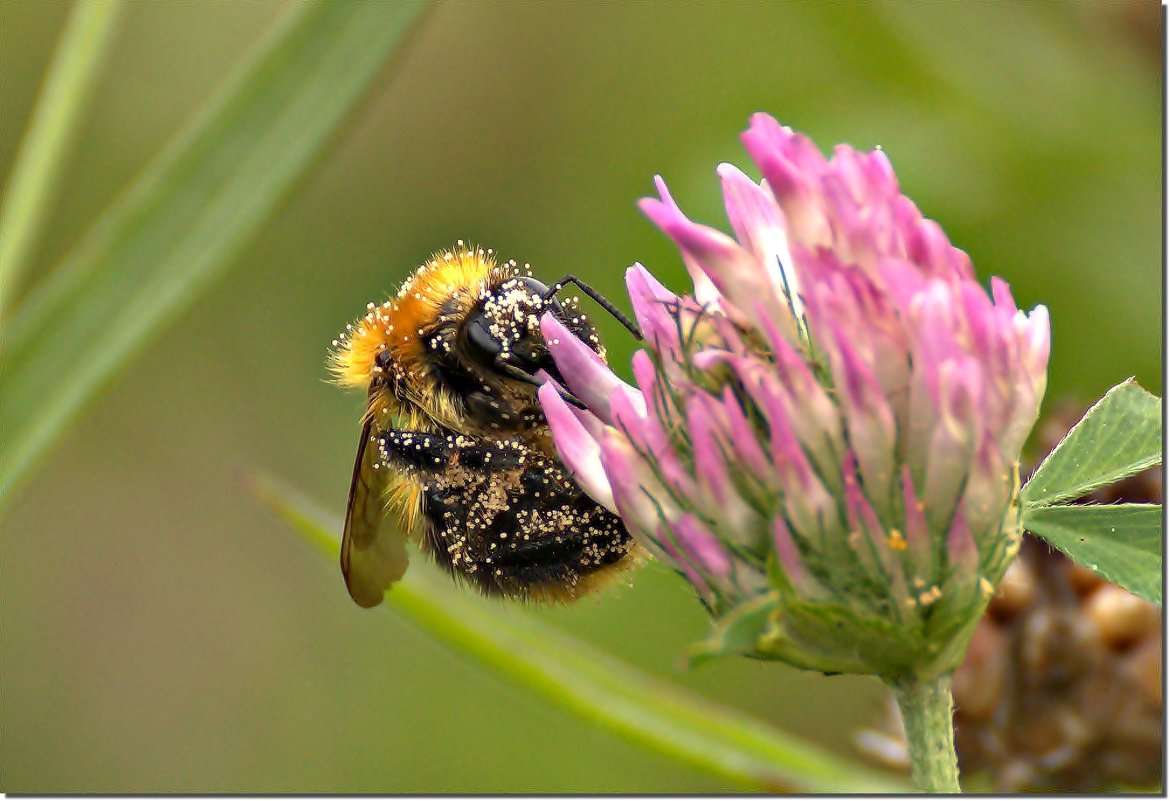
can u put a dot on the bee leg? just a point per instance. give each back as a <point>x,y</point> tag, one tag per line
<point>431,453</point>
<point>512,371</point>
<point>484,409</point>
<point>417,450</point>
<point>488,412</point>
<point>505,366</point>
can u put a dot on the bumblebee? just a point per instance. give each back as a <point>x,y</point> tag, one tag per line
<point>454,447</point>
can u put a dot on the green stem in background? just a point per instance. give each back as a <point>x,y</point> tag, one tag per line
<point>928,715</point>
<point>594,685</point>
<point>183,221</point>
<point>52,131</point>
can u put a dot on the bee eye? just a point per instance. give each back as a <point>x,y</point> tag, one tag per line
<point>538,289</point>
<point>480,344</point>
<point>382,359</point>
<point>502,332</point>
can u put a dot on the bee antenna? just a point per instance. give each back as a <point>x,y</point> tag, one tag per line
<point>612,310</point>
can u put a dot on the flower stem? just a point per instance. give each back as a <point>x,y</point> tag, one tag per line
<point>927,713</point>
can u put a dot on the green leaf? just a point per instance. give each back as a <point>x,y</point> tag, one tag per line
<point>593,684</point>
<point>1121,543</point>
<point>1121,435</point>
<point>182,222</point>
<point>52,131</point>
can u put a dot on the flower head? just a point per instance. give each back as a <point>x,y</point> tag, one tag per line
<point>1061,687</point>
<point>824,435</point>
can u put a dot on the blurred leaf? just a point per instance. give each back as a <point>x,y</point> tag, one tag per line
<point>594,685</point>
<point>1121,543</point>
<point>52,131</point>
<point>1121,435</point>
<point>187,216</point>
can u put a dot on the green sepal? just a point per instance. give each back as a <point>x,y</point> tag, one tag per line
<point>832,638</point>
<point>737,632</point>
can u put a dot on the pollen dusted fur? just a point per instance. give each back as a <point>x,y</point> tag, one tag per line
<point>443,290</point>
<point>455,447</point>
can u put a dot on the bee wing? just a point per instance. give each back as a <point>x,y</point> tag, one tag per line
<point>371,560</point>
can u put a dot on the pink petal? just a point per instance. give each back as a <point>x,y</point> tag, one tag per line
<point>869,419</point>
<point>961,546</point>
<point>736,273</point>
<point>587,375</point>
<point>579,450</point>
<point>744,438</point>
<point>655,308</point>
<point>758,224</point>
<point>634,487</point>
<point>789,555</point>
<point>702,546</point>
<point>793,167</point>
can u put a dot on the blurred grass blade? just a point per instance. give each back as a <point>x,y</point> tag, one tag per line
<point>184,219</point>
<point>1122,543</point>
<point>51,133</point>
<point>1120,436</point>
<point>594,685</point>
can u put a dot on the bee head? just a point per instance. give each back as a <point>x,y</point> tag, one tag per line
<point>502,330</point>
<point>460,329</point>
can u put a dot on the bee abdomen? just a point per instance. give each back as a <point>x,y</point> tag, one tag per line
<point>507,519</point>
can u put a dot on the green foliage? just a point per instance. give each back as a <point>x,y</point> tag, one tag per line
<point>51,134</point>
<point>593,684</point>
<point>1120,436</point>
<point>184,219</point>
<point>1122,543</point>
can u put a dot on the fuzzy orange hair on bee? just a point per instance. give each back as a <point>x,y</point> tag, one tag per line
<point>455,452</point>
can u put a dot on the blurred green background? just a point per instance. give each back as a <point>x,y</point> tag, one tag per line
<point>162,632</point>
